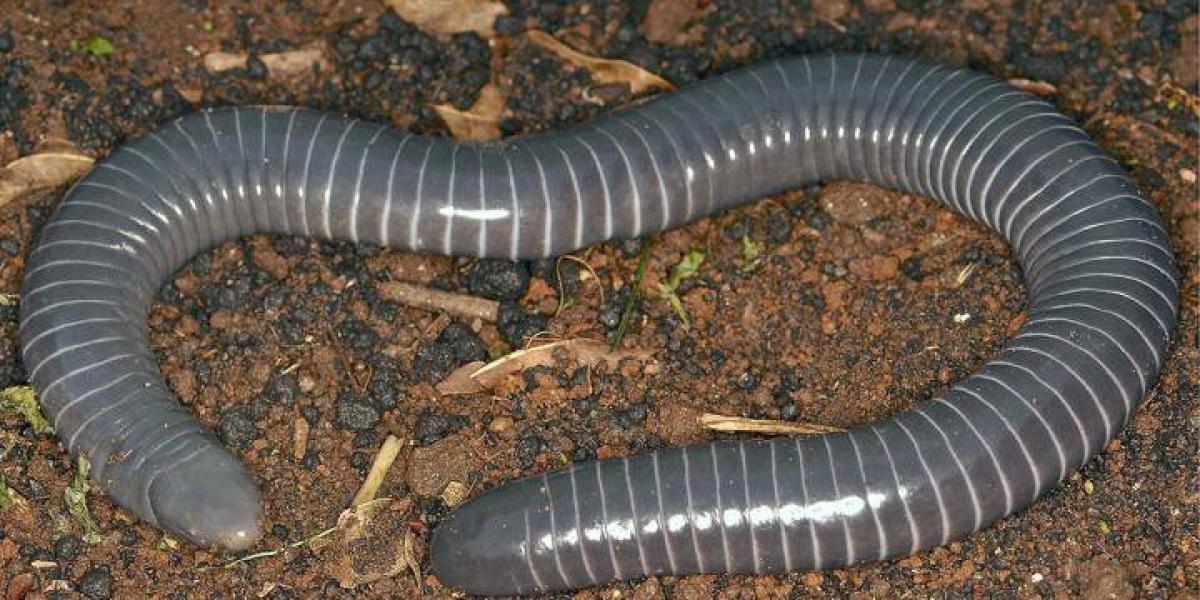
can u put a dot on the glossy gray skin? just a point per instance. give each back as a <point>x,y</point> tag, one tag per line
<point>1098,267</point>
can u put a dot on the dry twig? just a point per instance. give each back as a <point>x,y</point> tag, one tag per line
<point>742,424</point>
<point>459,305</point>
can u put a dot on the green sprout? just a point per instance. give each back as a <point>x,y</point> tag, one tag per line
<point>751,258</point>
<point>95,45</point>
<point>686,269</point>
<point>76,498</point>
<point>23,401</point>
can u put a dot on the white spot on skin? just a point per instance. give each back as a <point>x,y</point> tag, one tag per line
<point>476,214</point>
<point>732,517</point>
<point>650,527</point>
<point>593,534</point>
<point>571,537</point>
<point>620,530</point>
<point>676,523</point>
<point>761,515</point>
<point>792,514</point>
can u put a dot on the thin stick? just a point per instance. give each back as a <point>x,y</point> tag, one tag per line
<point>379,468</point>
<point>460,305</point>
<point>742,424</point>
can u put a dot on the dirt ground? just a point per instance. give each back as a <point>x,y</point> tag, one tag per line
<point>860,301</point>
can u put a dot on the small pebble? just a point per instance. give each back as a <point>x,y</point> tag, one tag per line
<point>256,68</point>
<point>237,429</point>
<point>747,381</point>
<point>911,268</point>
<point>433,427</point>
<point>66,547</point>
<point>353,415</point>
<point>498,279</point>
<point>7,43</point>
<point>501,425</point>
<point>96,583</point>
<point>508,26</point>
<point>10,246</point>
<point>515,324</point>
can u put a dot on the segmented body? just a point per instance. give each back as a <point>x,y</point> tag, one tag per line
<point>1098,267</point>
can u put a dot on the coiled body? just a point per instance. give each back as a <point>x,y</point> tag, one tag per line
<point>1098,265</point>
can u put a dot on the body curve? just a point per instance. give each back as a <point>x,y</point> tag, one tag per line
<point>1098,265</point>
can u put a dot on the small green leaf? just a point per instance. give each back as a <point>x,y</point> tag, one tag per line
<point>75,497</point>
<point>6,496</point>
<point>97,46</point>
<point>751,255</point>
<point>686,269</point>
<point>23,401</point>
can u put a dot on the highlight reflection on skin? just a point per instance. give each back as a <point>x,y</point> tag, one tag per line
<point>788,514</point>
<point>475,214</point>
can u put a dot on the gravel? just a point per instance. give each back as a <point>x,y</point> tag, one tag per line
<point>353,414</point>
<point>97,583</point>
<point>498,279</point>
<point>237,428</point>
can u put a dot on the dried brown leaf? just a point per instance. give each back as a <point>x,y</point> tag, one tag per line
<point>279,64</point>
<point>41,171</point>
<point>603,70</point>
<point>741,424</point>
<point>300,432</point>
<point>1033,86</point>
<point>294,62</point>
<point>410,557</point>
<point>219,62</point>
<point>352,521</point>
<point>584,351</point>
<point>365,548</point>
<point>459,381</point>
<point>481,122</point>
<point>450,16</point>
